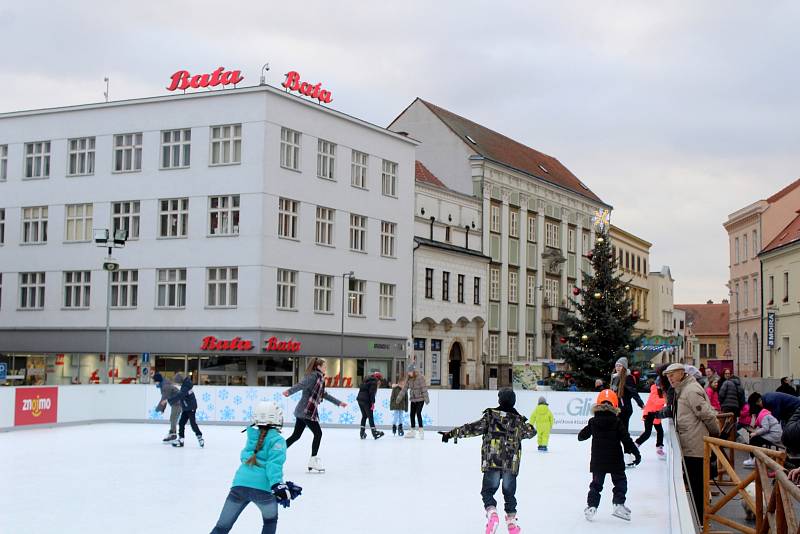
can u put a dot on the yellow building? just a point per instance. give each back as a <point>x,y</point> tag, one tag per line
<point>633,258</point>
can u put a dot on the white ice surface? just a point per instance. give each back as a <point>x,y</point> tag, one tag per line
<point>119,479</point>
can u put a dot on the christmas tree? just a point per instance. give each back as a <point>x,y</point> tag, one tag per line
<point>600,329</point>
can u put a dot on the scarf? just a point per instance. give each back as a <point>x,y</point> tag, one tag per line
<point>317,394</point>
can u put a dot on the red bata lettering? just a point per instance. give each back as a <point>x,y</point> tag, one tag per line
<point>273,344</point>
<point>237,343</point>
<point>293,83</point>
<point>182,80</point>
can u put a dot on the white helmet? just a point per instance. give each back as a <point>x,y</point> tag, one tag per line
<point>268,413</point>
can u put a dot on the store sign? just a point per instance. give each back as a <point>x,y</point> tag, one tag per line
<point>771,329</point>
<point>293,83</point>
<point>419,353</point>
<point>35,406</point>
<point>234,345</point>
<point>436,359</point>
<point>183,80</point>
<point>274,344</point>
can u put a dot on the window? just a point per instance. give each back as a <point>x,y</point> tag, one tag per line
<point>125,289</point>
<point>513,222</point>
<point>387,301</point>
<point>31,291</point>
<point>176,148</point>
<point>445,285</point>
<point>37,159</point>
<point>532,229</point>
<point>551,235</point>
<point>125,216</point>
<point>572,239</point>
<point>755,292</point>
<point>476,291</point>
<point>324,229</point>
<point>447,234</point>
<point>222,287</point>
<point>712,351</point>
<point>78,225</point>
<point>531,293</point>
<point>530,347</point>
<point>785,287</point>
<point>223,215</point>
<point>2,225</point>
<point>323,293</point>
<point>388,231</point>
<point>746,293</point>
<point>81,156</point>
<point>173,217</point>
<point>77,287</point>
<point>745,254</point>
<point>552,291</point>
<point>460,293</point>
<point>326,159</point>
<point>771,290</point>
<point>226,144</point>
<point>389,178</point>
<point>287,290</point>
<point>494,346</point>
<point>428,283</point>
<point>358,233</point>
<point>639,264</point>
<point>171,288</point>
<point>128,152</point>
<point>494,284</point>
<point>512,346</point>
<point>290,149</point>
<point>494,219</point>
<point>703,350</point>
<point>358,289</point>
<point>628,261</point>
<point>3,163</point>
<point>586,246</point>
<point>34,225</point>
<point>755,243</point>
<point>736,246</point>
<point>287,218</point>
<point>358,169</point>
<point>513,284</point>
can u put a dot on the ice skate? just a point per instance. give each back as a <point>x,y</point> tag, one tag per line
<point>315,465</point>
<point>492,521</point>
<point>394,430</point>
<point>589,512</point>
<point>750,463</point>
<point>421,434</point>
<point>363,433</point>
<point>621,511</point>
<point>630,461</point>
<point>377,434</point>
<point>178,442</point>
<point>660,453</point>
<point>411,434</point>
<point>169,439</point>
<point>201,441</point>
<point>400,430</point>
<point>511,523</point>
<point>544,448</point>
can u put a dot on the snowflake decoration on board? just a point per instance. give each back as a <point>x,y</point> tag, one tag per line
<point>346,418</point>
<point>202,415</point>
<point>223,394</point>
<point>227,414</point>
<point>385,404</point>
<point>295,396</point>
<point>237,400</point>
<point>378,416</point>
<point>427,420</point>
<point>252,394</point>
<point>155,414</point>
<point>247,414</point>
<point>277,397</point>
<point>210,407</point>
<point>406,419</point>
<point>325,416</point>
<point>206,396</point>
<point>351,398</point>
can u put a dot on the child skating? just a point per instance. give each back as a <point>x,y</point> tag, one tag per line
<point>542,419</point>
<point>608,435</point>
<point>188,410</point>
<point>366,402</point>
<point>503,430</point>
<point>399,405</point>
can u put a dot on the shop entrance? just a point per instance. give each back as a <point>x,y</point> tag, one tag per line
<point>454,366</point>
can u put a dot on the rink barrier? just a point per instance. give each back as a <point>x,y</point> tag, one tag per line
<point>681,514</point>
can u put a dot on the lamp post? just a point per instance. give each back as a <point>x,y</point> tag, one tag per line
<point>102,238</point>
<point>348,275</point>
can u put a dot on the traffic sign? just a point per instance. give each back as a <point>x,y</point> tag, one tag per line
<point>3,371</point>
<point>145,357</point>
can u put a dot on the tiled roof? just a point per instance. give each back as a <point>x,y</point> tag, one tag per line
<point>501,149</point>
<point>785,191</point>
<point>788,235</point>
<point>422,174</point>
<point>708,319</point>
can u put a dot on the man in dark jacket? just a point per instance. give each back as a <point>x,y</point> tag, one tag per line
<point>791,433</point>
<point>366,402</point>
<point>169,395</point>
<point>786,387</point>
<point>731,393</point>
<point>781,405</point>
<point>189,407</point>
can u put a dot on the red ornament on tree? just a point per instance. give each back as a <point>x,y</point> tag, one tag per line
<point>590,254</point>
<point>563,340</point>
<point>576,291</point>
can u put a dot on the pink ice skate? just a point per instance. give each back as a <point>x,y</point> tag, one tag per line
<point>660,453</point>
<point>511,523</point>
<point>492,521</point>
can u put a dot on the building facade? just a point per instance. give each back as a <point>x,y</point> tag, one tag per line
<point>707,332</point>
<point>633,257</point>
<point>245,210</point>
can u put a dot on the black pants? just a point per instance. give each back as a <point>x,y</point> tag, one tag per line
<point>758,441</point>
<point>491,481</point>
<point>694,472</point>
<point>416,410</point>
<point>620,482</point>
<point>366,413</point>
<point>188,415</point>
<point>648,428</point>
<point>625,416</point>
<point>299,426</point>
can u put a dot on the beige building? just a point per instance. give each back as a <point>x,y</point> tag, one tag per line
<point>633,257</point>
<point>707,332</point>
<point>747,229</point>
<point>780,261</point>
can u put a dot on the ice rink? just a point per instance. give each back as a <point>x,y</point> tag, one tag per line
<point>120,479</point>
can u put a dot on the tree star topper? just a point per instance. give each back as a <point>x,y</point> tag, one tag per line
<point>601,219</point>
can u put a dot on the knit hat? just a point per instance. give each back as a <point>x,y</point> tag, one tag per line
<point>623,362</point>
<point>378,375</point>
<point>507,398</point>
<point>542,400</point>
<point>158,378</point>
<point>412,367</point>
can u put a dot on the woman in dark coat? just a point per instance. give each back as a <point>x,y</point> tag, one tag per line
<point>366,401</point>
<point>625,388</point>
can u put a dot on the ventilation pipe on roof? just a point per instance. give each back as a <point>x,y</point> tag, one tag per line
<point>433,219</point>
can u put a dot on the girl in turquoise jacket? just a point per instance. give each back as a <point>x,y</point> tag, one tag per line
<point>542,420</point>
<point>259,478</point>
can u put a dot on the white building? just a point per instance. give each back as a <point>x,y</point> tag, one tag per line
<point>536,228</point>
<point>450,273</point>
<point>244,208</point>
<point>662,296</point>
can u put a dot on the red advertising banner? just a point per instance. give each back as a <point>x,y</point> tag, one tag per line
<point>35,406</point>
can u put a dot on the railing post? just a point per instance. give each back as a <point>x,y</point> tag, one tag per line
<point>706,482</point>
<point>759,505</point>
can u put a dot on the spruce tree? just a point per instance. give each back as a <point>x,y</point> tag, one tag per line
<point>600,327</point>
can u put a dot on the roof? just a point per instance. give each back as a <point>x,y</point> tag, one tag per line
<point>425,176</point>
<point>451,248</point>
<point>708,319</point>
<point>501,149</point>
<point>787,236</point>
<point>785,191</point>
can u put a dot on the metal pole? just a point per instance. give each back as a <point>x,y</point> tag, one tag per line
<point>737,333</point>
<point>341,335</point>
<point>108,322</point>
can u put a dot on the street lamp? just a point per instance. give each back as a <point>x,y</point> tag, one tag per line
<point>349,275</point>
<point>103,238</point>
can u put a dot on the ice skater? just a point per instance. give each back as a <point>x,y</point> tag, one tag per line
<point>418,393</point>
<point>624,386</point>
<point>366,402</point>
<point>259,478</point>
<point>307,411</point>
<point>503,430</point>
<point>608,437</point>
<point>188,410</point>
<point>399,405</point>
<point>169,395</point>
<point>655,403</point>
<point>542,420</point>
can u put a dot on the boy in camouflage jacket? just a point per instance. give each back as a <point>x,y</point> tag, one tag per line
<point>503,430</point>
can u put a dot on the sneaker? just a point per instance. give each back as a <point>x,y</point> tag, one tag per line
<point>492,521</point>
<point>201,441</point>
<point>750,463</point>
<point>589,512</point>
<point>661,454</point>
<point>621,511</point>
<point>511,523</point>
<point>178,442</point>
<point>411,434</point>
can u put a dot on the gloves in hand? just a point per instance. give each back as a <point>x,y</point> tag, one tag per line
<point>294,489</point>
<point>446,436</point>
<point>281,492</point>
<point>372,408</point>
<point>638,459</point>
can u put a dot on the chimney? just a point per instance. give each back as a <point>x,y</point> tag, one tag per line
<point>710,301</point>
<point>725,301</point>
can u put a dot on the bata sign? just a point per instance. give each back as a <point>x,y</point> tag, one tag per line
<point>293,83</point>
<point>183,80</point>
<point>274,344</point>
<point>236,344</point>
<point>35,406</point>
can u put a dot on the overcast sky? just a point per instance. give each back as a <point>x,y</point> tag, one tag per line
<point>677,114</point>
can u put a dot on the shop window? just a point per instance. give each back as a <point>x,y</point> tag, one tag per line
<point>128,152</point>
<point>226,144</point>
<point>176,147</point>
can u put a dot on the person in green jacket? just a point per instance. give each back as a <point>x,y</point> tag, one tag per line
<point>259,478</point>
<point>542,419</point>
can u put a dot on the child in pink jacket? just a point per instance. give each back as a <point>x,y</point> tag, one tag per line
<point>713,394</point>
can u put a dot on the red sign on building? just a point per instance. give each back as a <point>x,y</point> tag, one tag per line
<point>293,83</point>
<point>35,406</point>
<point>183,80</point>
<point>274,344</point>
<point>236,344</point>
